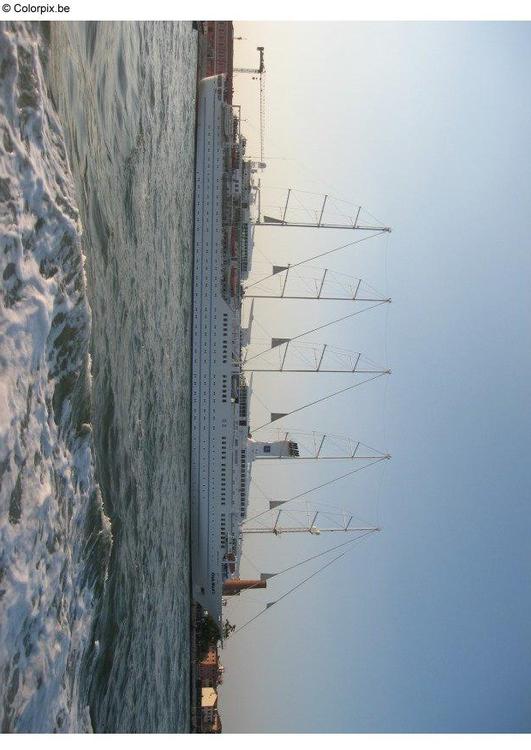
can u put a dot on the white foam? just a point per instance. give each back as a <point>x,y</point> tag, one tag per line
<point>47,483</point>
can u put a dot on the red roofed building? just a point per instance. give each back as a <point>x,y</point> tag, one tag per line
<point>210,669</point>
<point>220,51</point>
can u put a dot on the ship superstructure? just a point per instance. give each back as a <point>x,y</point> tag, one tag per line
<point>221,449</point>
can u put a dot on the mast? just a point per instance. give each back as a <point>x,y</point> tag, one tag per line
<point>320,287</point>
<point>271,221</point>
<point>318,358</point>
<point>323,299</point>
<point>310,527</point>
<point>302,446</point>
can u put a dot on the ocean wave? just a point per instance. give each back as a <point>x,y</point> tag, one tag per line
<point>55,539</point>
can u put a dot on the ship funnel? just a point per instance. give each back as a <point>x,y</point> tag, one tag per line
<point>233,586</point>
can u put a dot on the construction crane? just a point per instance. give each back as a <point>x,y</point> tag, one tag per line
<point>260,71</point>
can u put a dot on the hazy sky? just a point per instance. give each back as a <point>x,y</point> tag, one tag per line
<point>427,625</point>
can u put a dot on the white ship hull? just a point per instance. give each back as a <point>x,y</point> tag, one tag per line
<point>212,422</point>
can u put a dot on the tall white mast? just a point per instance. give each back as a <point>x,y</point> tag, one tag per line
<point>310,525</point>
<point>271,221</point>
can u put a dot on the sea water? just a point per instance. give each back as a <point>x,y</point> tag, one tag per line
<point>96,190</point>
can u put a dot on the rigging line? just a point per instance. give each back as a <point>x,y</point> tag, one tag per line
<point>374,461</point>
<point>293,190</point>
<point>333,273</point>
<point>319,328</point>
<point>251,563</point>
<point>319,400</point>
<point>248,599</point>
<point>308,211</point>
<point>256,322</point>
<point>386,354</point>
<point>290,592</point>
<point>379,494</point>
<point>259,262</point>
<point>341,213</point>
<point>315,176</point>
<point>257,397</point>
<point>265,256</point>
<point>325,552</point>
<point>385,395</point>
<point>261,279</point>
<point>375,218</point>
<point>249,621</point>
<point>305,580</point>
<point>351,542</point>
<point>386,259</point>
<point>326,508</point>
<point>321,255</point>
<point>255,484</point>
<point>335,438</point>
<point>382,478</point>
<point>257,340</point>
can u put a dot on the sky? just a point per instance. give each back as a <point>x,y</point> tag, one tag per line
<point>425,626</point>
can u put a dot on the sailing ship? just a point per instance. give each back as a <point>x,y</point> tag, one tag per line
<point>223,448</point>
